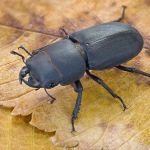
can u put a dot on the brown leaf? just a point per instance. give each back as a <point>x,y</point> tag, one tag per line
<point>101,123</point>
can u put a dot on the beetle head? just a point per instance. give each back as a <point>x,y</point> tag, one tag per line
<point>42,74</point>
<point>38,78</point>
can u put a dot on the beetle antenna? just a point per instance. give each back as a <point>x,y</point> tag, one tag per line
<point>15,53</point>
<point>53,99</point>
<point>24,50</point>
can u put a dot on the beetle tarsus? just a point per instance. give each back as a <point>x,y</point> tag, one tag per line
<point>100,81</point>
<point>73,128</point>
<point>124,106</point>
<point>77,88</point>
<point>53,99</point>
<point>130,69</point>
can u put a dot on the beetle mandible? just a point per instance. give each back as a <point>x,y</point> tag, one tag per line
<point>97,48</point>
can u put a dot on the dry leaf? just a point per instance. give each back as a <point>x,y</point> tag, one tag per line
<point>101,123</point>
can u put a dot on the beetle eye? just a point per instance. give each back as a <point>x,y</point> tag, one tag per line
<point>51,85</point>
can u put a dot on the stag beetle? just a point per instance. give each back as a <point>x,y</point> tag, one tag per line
<point>97,48</point>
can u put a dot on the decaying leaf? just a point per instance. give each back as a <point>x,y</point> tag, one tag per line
<point>101,123</point>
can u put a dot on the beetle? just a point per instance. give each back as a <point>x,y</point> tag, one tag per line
<point>97,48</point>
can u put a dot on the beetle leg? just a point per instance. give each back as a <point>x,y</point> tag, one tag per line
<point>119,19</point>
<point>100,81</point>
<point>129,69</point>
<point>53,99</point>
<point>77,88</point>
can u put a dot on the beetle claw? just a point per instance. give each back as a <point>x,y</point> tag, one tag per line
<point>125,107</point>
<point>24,71</point>
<point>72,120</point>
<point>73,130</point>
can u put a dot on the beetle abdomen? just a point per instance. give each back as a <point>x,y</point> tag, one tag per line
<point>110,44</point>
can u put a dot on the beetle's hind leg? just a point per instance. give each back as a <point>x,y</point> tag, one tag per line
<point>77,88</point>
<point>121,18</point>
<point>130,69</point>
<point>100,81</point>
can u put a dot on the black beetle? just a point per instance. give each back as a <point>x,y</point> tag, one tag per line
<point>97,48</point>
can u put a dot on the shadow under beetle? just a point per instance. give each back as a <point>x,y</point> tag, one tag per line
<point>97,48</point>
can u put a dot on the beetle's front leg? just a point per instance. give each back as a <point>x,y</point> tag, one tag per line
<point>100,81</point>
<point>77,88</point>
<point>53,99</point>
